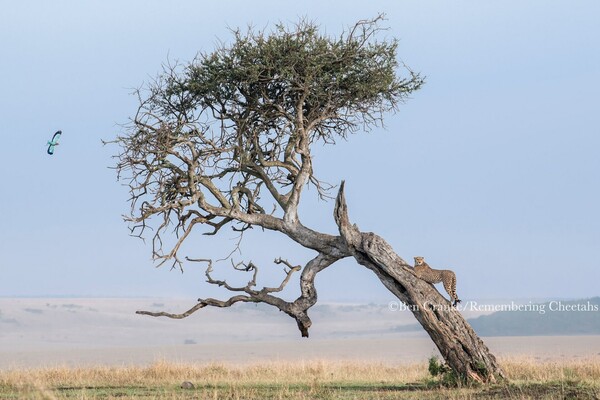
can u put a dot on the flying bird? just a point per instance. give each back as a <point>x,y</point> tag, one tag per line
<point>54,142</point>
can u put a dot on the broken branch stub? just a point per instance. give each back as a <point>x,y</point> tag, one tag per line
<point>462,349</point>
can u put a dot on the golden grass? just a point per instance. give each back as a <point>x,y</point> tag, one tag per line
<point>265,373</point>
<point>287,380</point>
<point>527,369</point>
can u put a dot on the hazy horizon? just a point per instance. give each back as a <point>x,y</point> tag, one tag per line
<point>76,332</point>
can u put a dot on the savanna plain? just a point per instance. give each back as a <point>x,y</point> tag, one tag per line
<point>99,349</point>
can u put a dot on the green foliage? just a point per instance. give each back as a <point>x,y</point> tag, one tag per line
<point>446,376</point>
<point>210,136</point>
<point>481,368</point>
<point>452,379</point>
<point>297,73</point>
<point>436,367</point>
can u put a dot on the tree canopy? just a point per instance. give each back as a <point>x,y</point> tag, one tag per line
<point>226,140</point>
<point>211,135</point>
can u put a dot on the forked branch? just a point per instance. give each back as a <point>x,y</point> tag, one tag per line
<point>296,309</point>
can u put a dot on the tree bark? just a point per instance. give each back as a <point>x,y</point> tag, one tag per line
<point>458,344</point>
<point>203,144</point>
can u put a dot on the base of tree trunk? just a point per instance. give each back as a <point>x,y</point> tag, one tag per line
<point>464,352</point>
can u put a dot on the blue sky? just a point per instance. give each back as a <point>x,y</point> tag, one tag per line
<point>491,169</point>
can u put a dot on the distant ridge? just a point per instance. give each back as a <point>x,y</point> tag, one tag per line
<point>553,318</point>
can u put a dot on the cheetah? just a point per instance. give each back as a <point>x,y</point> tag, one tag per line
<point>428,274</point>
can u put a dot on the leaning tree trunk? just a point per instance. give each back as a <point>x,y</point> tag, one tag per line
<point>460,347</point>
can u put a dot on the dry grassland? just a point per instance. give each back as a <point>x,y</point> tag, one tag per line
<point>304,380</point>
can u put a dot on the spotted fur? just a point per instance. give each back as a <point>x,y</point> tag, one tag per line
<point>428,274</point>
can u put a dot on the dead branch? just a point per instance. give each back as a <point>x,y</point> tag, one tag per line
<point>201,304</point>
<point>297,309</point>
<point>218,141</point>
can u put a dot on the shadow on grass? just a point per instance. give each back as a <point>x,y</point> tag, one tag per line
<point>426,390</point>
<point>107,387</point>
<point>563,390</point>
<point>410,387</point>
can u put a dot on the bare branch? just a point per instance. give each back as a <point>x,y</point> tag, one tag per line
<point>287,277</point>
<point>210,137</point>
<point>201,304</point>
<point>297,309</point>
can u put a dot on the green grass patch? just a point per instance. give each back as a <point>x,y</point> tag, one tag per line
<point>330,390</point>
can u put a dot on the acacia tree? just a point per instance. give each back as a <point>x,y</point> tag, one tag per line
<point>226,140</point>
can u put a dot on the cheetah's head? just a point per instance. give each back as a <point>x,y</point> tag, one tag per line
<point>419,260</point>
